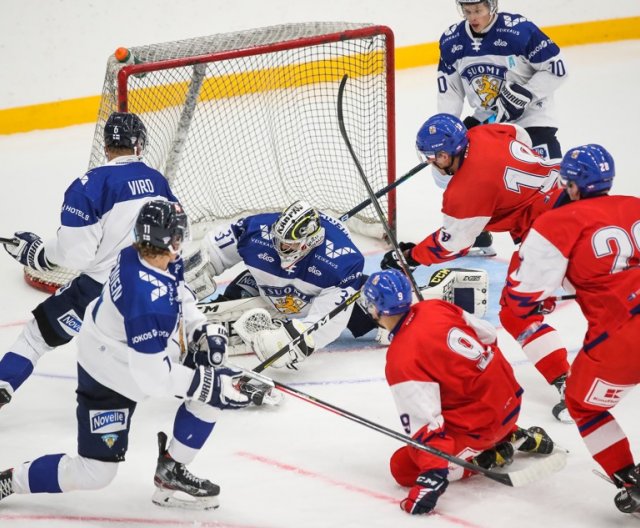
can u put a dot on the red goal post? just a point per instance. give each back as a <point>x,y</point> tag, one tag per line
<point>245,122</point>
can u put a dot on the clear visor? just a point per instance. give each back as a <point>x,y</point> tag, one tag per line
<point>183,233</point>
<point>428,156</point>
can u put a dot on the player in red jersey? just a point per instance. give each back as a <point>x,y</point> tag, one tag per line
<point>453,389</point>
<point>498,184</point>
<point>592,245</point>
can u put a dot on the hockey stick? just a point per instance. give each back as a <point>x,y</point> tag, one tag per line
<point>9,241</point>
<point>520,477</point>
<point>374,200</point>
<point>383,191</point>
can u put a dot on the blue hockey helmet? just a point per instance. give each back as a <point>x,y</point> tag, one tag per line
<point>590,168</point>
<point>162,225</point>
<point>388,291</point>
<point>124,130</point>
<point>441,133</point>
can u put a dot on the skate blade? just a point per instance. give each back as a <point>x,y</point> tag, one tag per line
<point>179,499</point>
<point>563,416</point>
<point>481,252</point>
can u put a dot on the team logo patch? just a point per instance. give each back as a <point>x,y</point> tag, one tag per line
<point>334,252</point>
<point>109,421</point>
<point>605,394</point>
<point>70,323</point>
<point>485,80</point>
<point>109,439</point>
<point>287,299</point>
<point>160,288</point>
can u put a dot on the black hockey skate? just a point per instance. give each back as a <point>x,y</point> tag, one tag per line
<point>5,396</point>
<point>532,440</point>
<point>177,487</point>
<point>483,246</point>
<point>559,410</point>
<point>628,500</point>
<point>499,456</point>
<point>6,483</point>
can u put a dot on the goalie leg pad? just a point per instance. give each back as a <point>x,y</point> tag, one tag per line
<point>466,288</point>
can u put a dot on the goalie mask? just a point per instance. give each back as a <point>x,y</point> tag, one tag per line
<point>162,225</point>
<point>296,232</point>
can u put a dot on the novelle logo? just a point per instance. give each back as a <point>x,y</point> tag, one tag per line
<point>70,322</point>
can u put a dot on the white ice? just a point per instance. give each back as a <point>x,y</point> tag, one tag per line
<point>298,465</point>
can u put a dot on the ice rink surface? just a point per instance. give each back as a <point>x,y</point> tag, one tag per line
<point>297,465</point>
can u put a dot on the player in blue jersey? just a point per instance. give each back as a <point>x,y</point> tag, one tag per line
<point>142,337</point>
<point>98,214</point>
<point>508,70</point>
<point>301,263</point>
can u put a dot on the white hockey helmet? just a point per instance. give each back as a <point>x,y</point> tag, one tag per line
<point>493,5</point>
<point>296,232</point>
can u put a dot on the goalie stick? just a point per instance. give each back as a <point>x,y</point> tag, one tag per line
<point>533,472</point>
<point>374,200</point>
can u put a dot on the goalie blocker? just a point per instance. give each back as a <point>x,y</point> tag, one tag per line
<point>246,318</point>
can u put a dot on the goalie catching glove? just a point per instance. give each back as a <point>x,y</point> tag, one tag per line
<point>29,251</point>
<point>268,342</point>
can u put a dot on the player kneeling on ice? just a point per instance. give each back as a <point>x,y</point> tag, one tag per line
<point>130,349</point>
<point>300,263</point>
<point>453,389</point>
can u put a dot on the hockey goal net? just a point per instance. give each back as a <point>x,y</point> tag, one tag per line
<point>246,122</point>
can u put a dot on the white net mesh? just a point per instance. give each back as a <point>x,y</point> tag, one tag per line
<point>246,122</point>
<point>239,125</point>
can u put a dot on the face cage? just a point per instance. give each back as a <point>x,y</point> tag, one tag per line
<point>288,257</point>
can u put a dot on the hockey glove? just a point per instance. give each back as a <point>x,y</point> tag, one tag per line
<point>424,494</point>
<point>29,251</point>
<point>470,122</point>
<point>208,347</point>
<point>511,102</point>
<point>544,307</point>
<point>217,387</point>
<point>391,260</point>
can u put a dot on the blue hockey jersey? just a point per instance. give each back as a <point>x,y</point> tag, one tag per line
<point>511,48</point>
<point>99,212</point>
<point>134,334</point>
<point>308,290</point>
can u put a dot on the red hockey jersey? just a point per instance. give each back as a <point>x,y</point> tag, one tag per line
<point>502,185</point>
<point>447,376</point>
<point>595,244</point>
